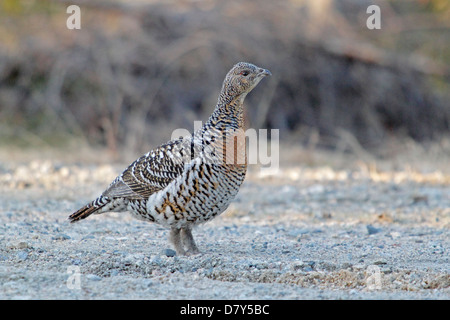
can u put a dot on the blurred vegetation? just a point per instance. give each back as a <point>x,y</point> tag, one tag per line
<point>139,69</point>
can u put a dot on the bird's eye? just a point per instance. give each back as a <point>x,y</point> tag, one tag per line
<point>244,73</point>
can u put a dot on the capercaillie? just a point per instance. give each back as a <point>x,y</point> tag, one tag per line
<point>189,180</point>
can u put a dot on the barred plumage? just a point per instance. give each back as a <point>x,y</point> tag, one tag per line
<point>192,179</point>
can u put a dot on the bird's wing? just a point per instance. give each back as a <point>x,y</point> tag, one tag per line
<point>153,171</point>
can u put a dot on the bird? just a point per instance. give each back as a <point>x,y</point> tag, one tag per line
<point>192,179</point>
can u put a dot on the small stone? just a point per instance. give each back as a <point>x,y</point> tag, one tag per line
<point>61,237</point>
<point>372,230</point>
<point>359,267</point>
<point>148,283</point>
<point>22,255</point>
<point>20,245</point>
<point>93,277</point>
<point>395,234</point>
<point>156,260</point>
<point>420,199</point>
<point>114,273</point>
<point>386,269</point>
<point>169,253</point>
<point>347,265</point>
<point>311,263</point>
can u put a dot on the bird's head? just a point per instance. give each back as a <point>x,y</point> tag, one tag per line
<point>241,79</point>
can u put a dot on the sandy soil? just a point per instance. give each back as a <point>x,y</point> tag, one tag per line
<point>304,232</point>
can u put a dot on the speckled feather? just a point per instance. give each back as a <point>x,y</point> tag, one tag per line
<point>192,179</point>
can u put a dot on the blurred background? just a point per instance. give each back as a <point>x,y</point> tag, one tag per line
<point>137,70</point>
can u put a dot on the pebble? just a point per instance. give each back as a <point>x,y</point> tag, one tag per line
<point>359,266</point>
<point>380,262</point>
<point>372,230</point>
<point>61,237</point>
<point>22,255</point>
<point>395,234</point>
<point>93,277</point>
<point>169,253</point>
<point>20,245</point>
<point>114,273</point>
<point>156,260</point>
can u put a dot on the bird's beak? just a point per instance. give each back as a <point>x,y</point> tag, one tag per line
<point>265,72</point>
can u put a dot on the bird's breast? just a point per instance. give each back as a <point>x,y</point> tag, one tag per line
<point>202,192</point>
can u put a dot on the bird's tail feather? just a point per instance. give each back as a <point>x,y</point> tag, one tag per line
<point>88,209</point>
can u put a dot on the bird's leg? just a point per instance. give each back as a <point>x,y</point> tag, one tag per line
<point>188,240</point>
<point>176,241</point>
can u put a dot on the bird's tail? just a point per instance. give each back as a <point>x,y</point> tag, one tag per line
<point>89,209</point>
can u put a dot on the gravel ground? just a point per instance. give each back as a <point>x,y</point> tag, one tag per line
<point>302,233</point>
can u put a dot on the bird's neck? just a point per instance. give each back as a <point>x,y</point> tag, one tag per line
<point>223,134</point>
<point>228,114</point>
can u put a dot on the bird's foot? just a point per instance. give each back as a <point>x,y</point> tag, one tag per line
<point>188,241</point>
<point>183,241</point>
